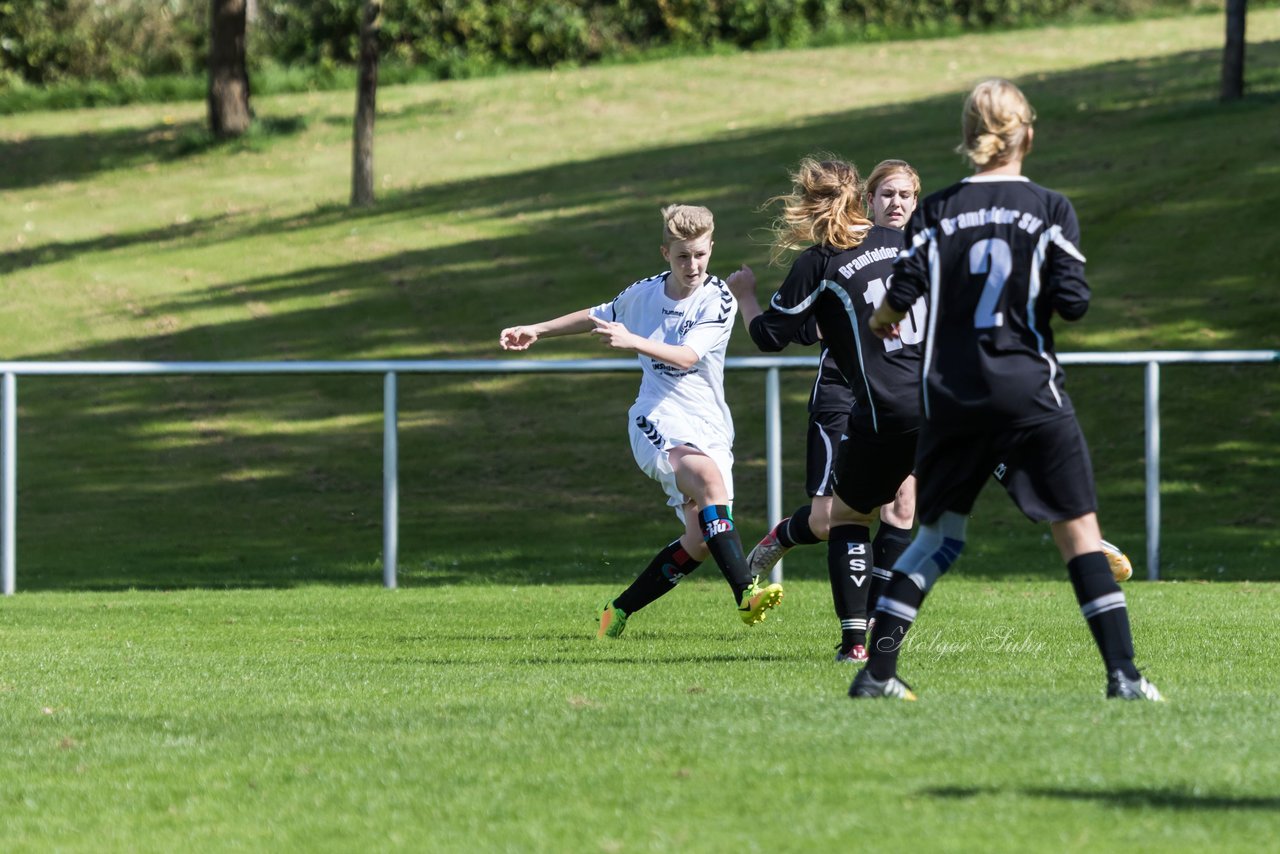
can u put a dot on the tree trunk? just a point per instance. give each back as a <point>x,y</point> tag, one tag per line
<point>229,113</point>
<point>1233,54</point>
<point>366,103</point>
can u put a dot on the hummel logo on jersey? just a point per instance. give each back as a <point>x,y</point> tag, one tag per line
<point>726,303</point>
<point>671,312</point>
<point>650,432</point>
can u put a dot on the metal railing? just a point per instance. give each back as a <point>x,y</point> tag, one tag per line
<point>392,368</point>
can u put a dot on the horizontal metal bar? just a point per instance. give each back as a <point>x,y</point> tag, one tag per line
<point>1169,357</point>
<point>515,366</point>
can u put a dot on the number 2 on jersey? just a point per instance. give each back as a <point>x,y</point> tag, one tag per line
<point>993,257</point>
<point>911,330</point>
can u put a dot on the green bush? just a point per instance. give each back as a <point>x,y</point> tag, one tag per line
<point>46,42</point>
<point>49,41</point>
<point>458,36</point>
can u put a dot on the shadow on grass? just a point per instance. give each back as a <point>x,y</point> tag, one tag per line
<point>1127,798</point>
<point>34,161</point>
<point>276,481</point>
<point>53,253</point>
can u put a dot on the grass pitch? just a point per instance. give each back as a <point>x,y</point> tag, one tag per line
<point>486,717</point>
<point>199,655</point>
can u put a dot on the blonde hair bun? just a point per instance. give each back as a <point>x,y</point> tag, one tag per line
<point>995,124</point>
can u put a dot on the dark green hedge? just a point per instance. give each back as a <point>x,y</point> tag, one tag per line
<point>458,36</point>
<point>48,41</point>
<point>45,41</point>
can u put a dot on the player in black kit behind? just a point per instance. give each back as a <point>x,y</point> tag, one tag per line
<point>837,281</point>
<point>997,255</point>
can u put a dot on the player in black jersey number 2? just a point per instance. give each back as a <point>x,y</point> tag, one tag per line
<point>997,255</point>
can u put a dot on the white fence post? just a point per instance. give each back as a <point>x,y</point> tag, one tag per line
<point>1151,416</point>
<point>390,482</point>
<point>773,455</point>
<point>9,500</point>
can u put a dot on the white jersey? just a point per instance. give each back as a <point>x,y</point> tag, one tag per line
<point>703,322</point>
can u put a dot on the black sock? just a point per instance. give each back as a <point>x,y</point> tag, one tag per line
<point>1102,603</point>
<point>726,547</point>
<point>886,548</point>
<point>659,577</point>
<point>895,614</point>
<point>795,531</point>
<point>849,568</point>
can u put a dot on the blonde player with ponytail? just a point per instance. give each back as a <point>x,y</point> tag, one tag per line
<point>998,256</point>
<point>865,408</point>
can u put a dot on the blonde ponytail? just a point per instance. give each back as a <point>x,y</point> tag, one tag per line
<point>824,207</point>
<point>996,124</point>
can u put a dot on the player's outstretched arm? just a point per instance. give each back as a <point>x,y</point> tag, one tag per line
<point>617,336</point>
<point>523,337</point>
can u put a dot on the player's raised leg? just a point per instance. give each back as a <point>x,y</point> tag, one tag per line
<point>698,477</point>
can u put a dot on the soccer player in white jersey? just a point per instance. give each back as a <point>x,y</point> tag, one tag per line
<point>998,256</point>
<point>678,324</point>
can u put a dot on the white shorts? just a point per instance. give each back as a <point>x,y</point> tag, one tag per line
<point>654,435</point>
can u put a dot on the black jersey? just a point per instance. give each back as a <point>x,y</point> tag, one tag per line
<point>831,391</point>
<point>997,256</point>
<point>841,290</point>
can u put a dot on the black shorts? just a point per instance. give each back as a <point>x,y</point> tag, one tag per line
<point>1045,468</point>
<point>825,430</point>
<point>871,466</point>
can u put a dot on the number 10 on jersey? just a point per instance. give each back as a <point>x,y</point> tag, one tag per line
<point>911,329</point>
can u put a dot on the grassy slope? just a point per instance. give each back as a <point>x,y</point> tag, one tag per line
<point>505,200</point>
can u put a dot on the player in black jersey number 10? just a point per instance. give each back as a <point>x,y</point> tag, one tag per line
<point>997,255</point>
<point>864,411</point>
<point>836,282</point>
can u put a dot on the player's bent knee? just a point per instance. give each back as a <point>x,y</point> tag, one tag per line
<point>846,515</point>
